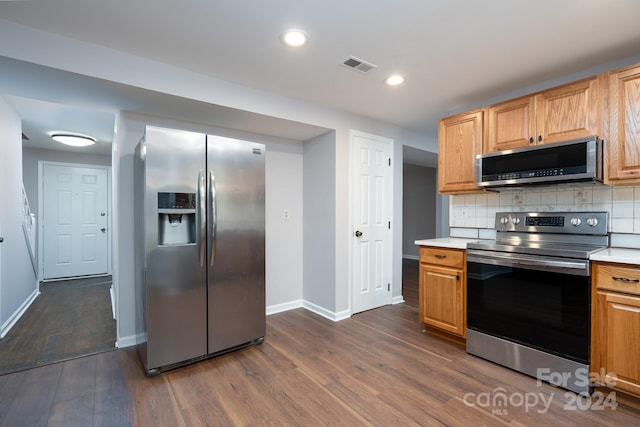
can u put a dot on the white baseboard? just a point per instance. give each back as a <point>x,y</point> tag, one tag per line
<point>129,340</point>
<point>292,305</point>
<point>11,321</point>
<point>331,315</point>
<point>397,300</point>
<point>279,308</point>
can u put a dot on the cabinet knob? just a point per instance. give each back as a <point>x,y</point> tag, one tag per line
<point>531,140</point>
<point>539,138</point>
<point>440,256</point>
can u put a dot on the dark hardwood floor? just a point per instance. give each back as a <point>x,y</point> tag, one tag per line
<point>375,368</point>
<point>69,318</point>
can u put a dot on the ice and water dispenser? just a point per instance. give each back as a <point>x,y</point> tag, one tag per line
<point>176,218</point>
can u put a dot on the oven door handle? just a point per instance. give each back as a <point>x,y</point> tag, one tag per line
<point>574,267</point>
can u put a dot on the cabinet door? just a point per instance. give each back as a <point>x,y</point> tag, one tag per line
<point>624,126</point>
<point>459,141</point>
<point>511,124</point>
<point>569,112</point>
<point>621,340</point>
<point>442,298</point>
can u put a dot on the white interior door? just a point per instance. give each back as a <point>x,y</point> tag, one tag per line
<point>75,219</point>
<point>371,198</point>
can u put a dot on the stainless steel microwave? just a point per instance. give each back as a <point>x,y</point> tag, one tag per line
<point>570,161</point>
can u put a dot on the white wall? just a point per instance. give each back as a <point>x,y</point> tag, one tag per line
<point>18,284</point>
<point>319,191</point>
<point>284,238</point>
<point>419,207</point>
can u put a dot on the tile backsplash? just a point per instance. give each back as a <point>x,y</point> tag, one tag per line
<point>478,210</point>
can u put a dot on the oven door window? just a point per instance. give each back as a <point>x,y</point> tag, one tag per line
<point>548,311</point>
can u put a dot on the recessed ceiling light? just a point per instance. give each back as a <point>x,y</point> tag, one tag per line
<point>394,80</point>
<point>73,140</point>
<point>294,38</point>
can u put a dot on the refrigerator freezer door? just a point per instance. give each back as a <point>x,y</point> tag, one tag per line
<point>176,272</point>
<point>237,274</point>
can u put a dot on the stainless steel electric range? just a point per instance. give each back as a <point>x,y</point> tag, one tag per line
<point>529,294</point>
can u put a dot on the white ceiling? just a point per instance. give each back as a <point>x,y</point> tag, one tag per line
<point>453,53</point>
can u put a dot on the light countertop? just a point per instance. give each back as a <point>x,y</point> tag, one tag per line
<point>446,242</point>
<point>621,255</point>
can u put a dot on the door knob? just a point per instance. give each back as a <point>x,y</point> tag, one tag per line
<point>103,229</point>
<point>358,233</point>
<point>102,214</point>
<point>1,239</point>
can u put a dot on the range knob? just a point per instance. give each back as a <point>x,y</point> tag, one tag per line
<point>504,220</point>
<point>575,221</point>
<point>515,220</point>
<point>592,222</point>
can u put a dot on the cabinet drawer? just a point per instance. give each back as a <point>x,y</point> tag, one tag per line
<point>439,256</point>
<point>618,278</point>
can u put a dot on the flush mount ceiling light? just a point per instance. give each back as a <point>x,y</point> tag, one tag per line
<point>73,140</point>
<point>294,38</point>
<point>394,80</point>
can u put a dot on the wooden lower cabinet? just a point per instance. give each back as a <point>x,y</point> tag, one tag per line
<point>615,347</point>
<point>443,290</point>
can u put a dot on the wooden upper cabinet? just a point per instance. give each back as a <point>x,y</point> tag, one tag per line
<point>511,124</point>
<point>569,112</point>
<point>459,141</point>
<point>623,153</point>
<point>559,114</point>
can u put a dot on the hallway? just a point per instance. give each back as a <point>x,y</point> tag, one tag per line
<point>69,319</point>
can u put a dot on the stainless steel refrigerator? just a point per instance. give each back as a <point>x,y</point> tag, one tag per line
<point>200,246</point>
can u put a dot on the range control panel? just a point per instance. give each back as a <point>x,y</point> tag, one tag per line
<point>553,222</point>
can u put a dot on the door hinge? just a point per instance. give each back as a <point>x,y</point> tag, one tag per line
<point>389,225</point>
<point>388,287</point>
<point>389,161</point>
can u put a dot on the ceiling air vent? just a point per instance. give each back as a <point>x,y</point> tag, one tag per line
<point>358,64</point>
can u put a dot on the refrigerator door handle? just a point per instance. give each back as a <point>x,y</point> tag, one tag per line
<point>200,218</point>
<point>213,216</point>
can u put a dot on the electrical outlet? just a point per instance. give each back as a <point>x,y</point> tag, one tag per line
<point>285,214</point>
